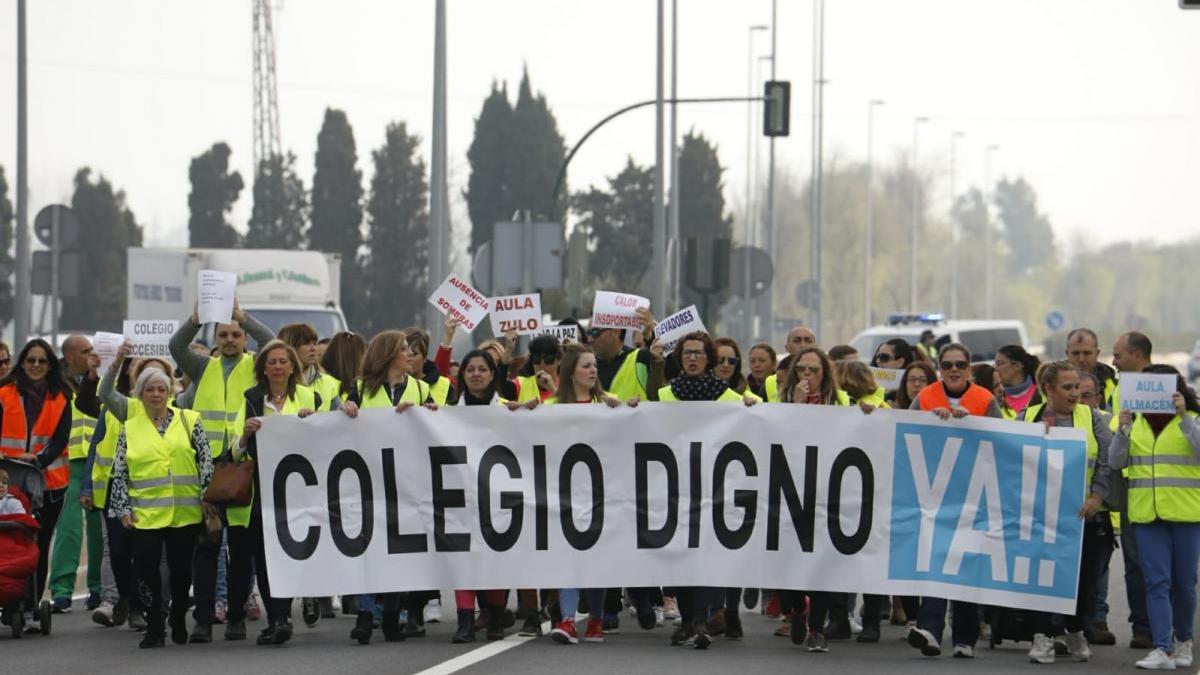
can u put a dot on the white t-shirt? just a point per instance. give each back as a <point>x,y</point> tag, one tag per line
<point>10,505</point>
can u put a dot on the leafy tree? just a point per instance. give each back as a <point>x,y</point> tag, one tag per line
<point>396,265</point>
<point>6,260</point>
<point>337,210</point>
<point>487,195</point>
<point>214,190</point>
<point>280,214</point>
<point>109,227</point>
<point>619,224</point>
<point>536,153</point>
<point>701,210</point>
<point>1027,232</point>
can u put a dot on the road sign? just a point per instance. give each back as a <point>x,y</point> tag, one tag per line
<point>706,261</point>
<point>509,253</point>
<point>1055,319</point>
<point>481,268</point>
<point>808,294</point>
<point>69,269</point>
<point>68,226</point>
<point>762,272</point>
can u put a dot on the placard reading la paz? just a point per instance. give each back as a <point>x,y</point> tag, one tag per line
<point>565,333</point>
<point>457,298</point>
<point>1147,392</point>
<point>671,329</point>
<point>522,313</point>
<point>617,310</point>
<point>150,338</point>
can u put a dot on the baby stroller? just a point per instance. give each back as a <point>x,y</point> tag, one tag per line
<point>19,547</point>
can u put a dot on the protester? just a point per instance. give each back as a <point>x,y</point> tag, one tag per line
<point>627,372</point>
<point>916,376</point>
<point>35,427</point>
<point>762,361</point>
<point>303,339</point>
<point>1015,369</point>
<point>343,361</point>
<point>927,346</point>
<point>954,397</point>
<point>1160,451</point>
<point>1083,350</point>
<point>539,378</point>
<point>858,382</point>
<point>1059,383</point>
<point>839,353</point>
<point>729,366</point>
<point>5,359</point>
<point>161,467</point>
<point>895,354</point>
<point>421,367</point>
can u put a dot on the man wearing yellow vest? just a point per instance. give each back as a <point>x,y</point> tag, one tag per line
<point>1083,351</point>
<point>625,372</point>
<point>1131,354</point>
<point>798,338</point>
<point>81,367</point>
<point>221,384</point>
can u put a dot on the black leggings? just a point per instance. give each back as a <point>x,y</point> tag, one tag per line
<point>147,553</point>
<point>1097,547</point>
<point>47,517</point>
<point>246,549</point>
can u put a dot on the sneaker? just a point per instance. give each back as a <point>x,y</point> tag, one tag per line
<point>1157,660</point>
<point>1060,646</point>
<point>985,630</point>
<point>856,626</point>
<point>815,643</point>
<point>749,598</point>
<point>93,601</point>
<point>103,615</point>
<point>785,628</point>
<point>310,612</point>
<point>532,626</point>
<point>964,652</point>
<point>647,618</point>
<point>612,623</point>
<point>253,611</point>
<point>433,611</point>
<point>701,638</point>
<point>658,616</point>
<point>919,638</point>
<point>1077,647</point>
<point>683,636</point>
<point>564,633</point>
<point>670,608</point>
<point>595,630</point>
<point>1042,650</point>
<point>1182,654</point>
<point>774,607</point>
<point>235,630</point>
<point>60,605</point>
<point>1099,634</point>
<point>221,610</point>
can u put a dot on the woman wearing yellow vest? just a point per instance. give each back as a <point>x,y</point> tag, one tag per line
<point>35,427</point>
<point>729,367</point>
<point>859,384</point>
<point>119,597</point>
<point>697,382</point>
<point>1015,369</point>
<point>343,361</point>
<point>386,383</point>
<point>303,339</point>
<point>1162,452</point>
<point>761,378</point>
<point>161,466</point>
<point>1059,384</point>
<point>276,391</point>
<point>539,377</point>
<point>423,369</point>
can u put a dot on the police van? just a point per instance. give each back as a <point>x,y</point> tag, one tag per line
<point>982,336</point>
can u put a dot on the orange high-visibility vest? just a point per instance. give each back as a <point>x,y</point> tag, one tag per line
<point>16,440</point>
<point>976,399</point>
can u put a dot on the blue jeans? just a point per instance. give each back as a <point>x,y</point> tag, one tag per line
<point>1169,553</point>
<point>568,602</point>
<point>1135,585</point>
<point>390,602</point>
<point>222,565</point>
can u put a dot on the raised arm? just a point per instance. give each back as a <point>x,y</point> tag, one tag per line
<point>191,363</point>
<point>116,402</point>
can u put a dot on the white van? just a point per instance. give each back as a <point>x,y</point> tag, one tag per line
<point>982,337</point>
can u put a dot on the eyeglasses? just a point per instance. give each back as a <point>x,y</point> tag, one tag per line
<point>884,357</point>
<point>595,332</point>
<point>955,365</point>
<point>36,361</point>
<point>693,354</point>
<point>547,359</point>
<point>808,370</point>
<point>728,360</point>
<point>918,380</point>
<point>5,361</point>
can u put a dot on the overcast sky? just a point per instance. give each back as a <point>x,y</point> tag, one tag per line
<point>1096,102</point>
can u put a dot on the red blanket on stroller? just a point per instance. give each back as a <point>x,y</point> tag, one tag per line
<point>18,551</point>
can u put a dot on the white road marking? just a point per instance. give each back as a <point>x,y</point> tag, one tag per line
<point>475,656</point>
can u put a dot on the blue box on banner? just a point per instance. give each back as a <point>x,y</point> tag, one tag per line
<point>987,509</point>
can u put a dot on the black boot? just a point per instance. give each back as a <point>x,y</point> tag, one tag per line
<point>362,628</point>
<point>466,627</point>
<point>155,631</point>
<point>414,626</point>
<point>495,623</point>
<point>179,631</point>
<point>391,626</point>
<point>870,631</point>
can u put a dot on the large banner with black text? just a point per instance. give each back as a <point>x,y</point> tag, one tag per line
<point>699,494</point>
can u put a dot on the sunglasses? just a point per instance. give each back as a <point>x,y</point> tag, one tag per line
<point>543,358</point>
<point>882,357</point>
<point>5,361</point>
<point>955,365</point>
<point>595,332</point>
<point>728,360</point>
<point>808,370</point>
<point>36,361</point>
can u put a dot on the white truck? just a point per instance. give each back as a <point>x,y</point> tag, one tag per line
<point>278,287</point>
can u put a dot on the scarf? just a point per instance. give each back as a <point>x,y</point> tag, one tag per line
<point>470,399</point>
<point>1018,397</point>
<point>706,387</point>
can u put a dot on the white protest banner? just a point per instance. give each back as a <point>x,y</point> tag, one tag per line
<point>617,310</point>
<point>456,298</point>
<point>564,332</point>
<point>215,291</point>
<point>150,337</point>
<point>522,313</point>
<point>690,494</point>
<point>669,330</point>
<point>888,378</point>
<point>1147,392</point>
<point>105,345</point>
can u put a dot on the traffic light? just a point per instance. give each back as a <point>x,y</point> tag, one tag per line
<point>777,107</point>
<point>1189,4</point>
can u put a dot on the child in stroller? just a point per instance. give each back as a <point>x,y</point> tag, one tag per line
<point>21,487</point>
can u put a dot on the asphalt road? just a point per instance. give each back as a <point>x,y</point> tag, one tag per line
<point>77,645</point>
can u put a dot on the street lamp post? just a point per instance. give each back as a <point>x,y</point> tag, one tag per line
<point>770,300</point>
<point>987,231</point>
<point>750,216</point>
<point>818,138</point>
<point>868,244</point>
<point>914,237</point>
<point>953,223</point>
<point>659,301</point>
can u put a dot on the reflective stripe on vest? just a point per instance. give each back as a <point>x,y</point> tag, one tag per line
<point>218,400</point>
<point>302,399</point>
<point>82,428</point>
<point>164,482</point>
<point>106,450</point>
<point>1164,474</point>
<point>16,439</point>
<point>625,384</point>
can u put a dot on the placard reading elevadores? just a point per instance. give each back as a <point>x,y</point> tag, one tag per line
<point>456,298</point>
<point>671,329</point>
<point>522,313</point>
<point>151,337</point>
<point>617,310</point>
<point>823,498</point>
<point>1147,392</point>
